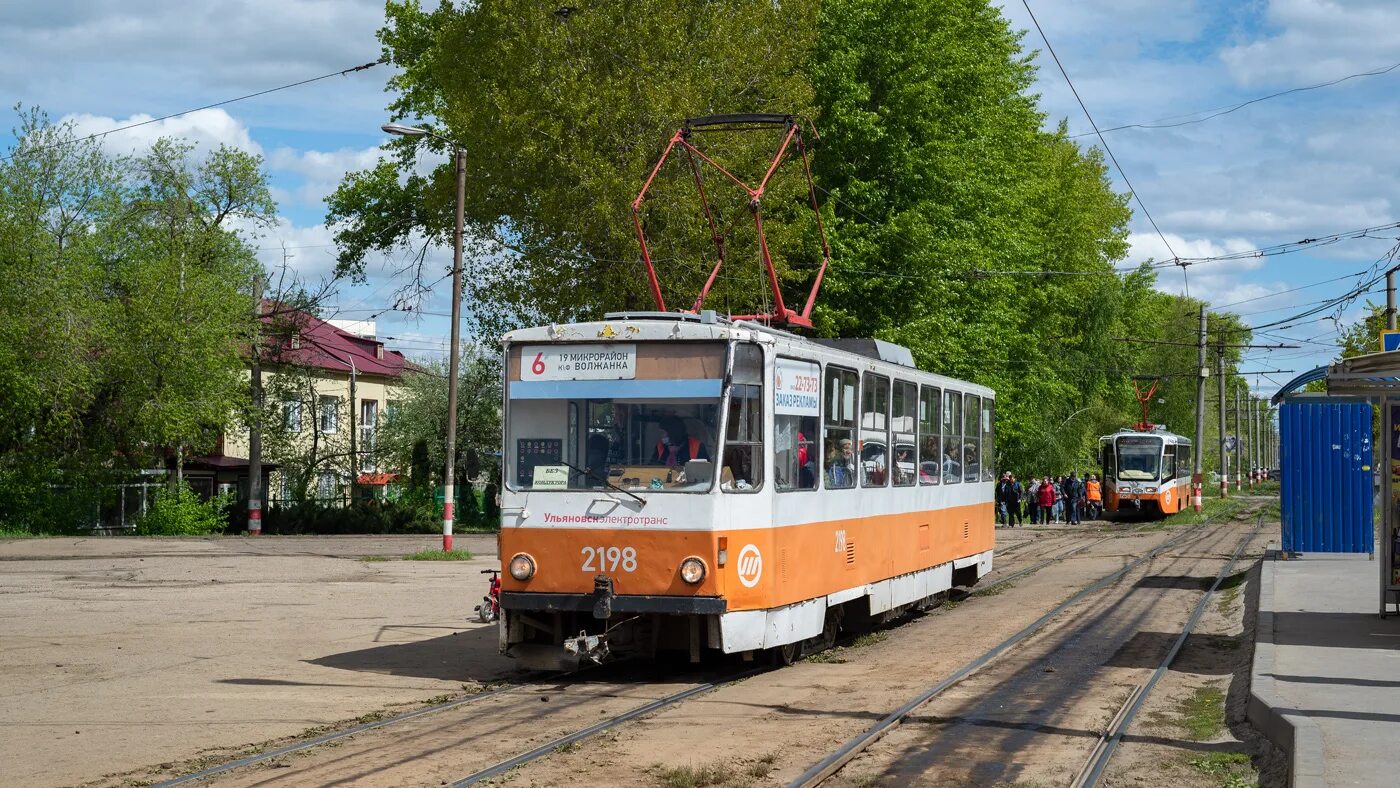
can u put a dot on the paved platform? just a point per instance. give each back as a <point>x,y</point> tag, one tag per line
<point>1326,677</point>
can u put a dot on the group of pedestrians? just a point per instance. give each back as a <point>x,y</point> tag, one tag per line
<point>1045,500</point>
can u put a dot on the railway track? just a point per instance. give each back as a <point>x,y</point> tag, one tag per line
<point>1097,763</point>
<point>829,766</point>
<point>571,694</point>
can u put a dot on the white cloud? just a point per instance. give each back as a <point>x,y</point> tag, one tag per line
<point>1318,40</point>
<point>320,171</point>
<point>206,129</point>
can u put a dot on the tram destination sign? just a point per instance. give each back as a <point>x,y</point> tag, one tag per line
<point>578,362</point>
<point>796,388</point>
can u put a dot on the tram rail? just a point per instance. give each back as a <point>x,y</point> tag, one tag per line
<point>824,769</point>
<point>1097,763</point>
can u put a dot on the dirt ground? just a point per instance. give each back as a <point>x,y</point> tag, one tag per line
<point>121,653</point>
<point>159,663</point>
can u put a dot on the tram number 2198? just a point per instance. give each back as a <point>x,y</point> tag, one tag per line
<point>609,559</point>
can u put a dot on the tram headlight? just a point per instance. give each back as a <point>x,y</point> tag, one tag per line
<point>1149,489</point>
<point>522,567</point>
<point>692,570</point>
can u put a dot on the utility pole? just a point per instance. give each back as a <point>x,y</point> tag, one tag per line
<point>1224,456</point>
<point>1245,438</point>
<point>1390,299</point>
<point>1202,372</point>
<point>1239,439</point>
<point>255,491</point>
<point>459,156</point>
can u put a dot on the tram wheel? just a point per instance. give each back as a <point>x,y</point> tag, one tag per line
<point>785,654</point>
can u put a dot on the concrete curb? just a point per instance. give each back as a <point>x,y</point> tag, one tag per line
<point>1292,732</point>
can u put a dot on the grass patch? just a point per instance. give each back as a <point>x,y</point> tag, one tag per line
<point>372,559</point>
<point>869,639</point>
<point>439,555</point>
<point>692,776</point>
<point>727,774</point>
<point>1232,769</point>
<point>1202,716</point>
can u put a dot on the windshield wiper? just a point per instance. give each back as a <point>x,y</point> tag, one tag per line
<point>590,473</point>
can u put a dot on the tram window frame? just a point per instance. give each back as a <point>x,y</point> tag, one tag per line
<point>972,420</point>
<point>989,439</point>
<point>1168,470</point>
<point>904,419</point>
<point>807,430</point>
<point>841,395</point>
<point>952,417</point>
<point>744,434</point>
<point>874,476</point>
<point>930,426</point>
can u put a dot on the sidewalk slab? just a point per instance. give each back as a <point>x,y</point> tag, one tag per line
<point>1326,674</point>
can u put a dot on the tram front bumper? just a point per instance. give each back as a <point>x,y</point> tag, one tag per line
<point>621,603</point>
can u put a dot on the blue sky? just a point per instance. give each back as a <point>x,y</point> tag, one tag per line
<point>1306,165</point>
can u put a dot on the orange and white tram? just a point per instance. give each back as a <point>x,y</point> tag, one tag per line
<point>686,482</point>
<point>1147,471</point>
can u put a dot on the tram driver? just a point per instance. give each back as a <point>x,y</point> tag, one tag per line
<point>674,447</point>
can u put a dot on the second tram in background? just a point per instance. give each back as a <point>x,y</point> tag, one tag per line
<point>1146,471</point>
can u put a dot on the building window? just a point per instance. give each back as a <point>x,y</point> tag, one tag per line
<point>838,449</point>
<point>325,486</point>
<point>291,417</point>
<point>369,425</point>
<point>329,414</point>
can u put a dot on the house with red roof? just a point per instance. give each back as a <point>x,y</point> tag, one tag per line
<point>328,387</point>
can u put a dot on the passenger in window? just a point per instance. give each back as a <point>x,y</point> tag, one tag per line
<point>952,468</point>
<point>840,467</point>
<point>904,466</point>
<point>806,465</point>
<point>675,448</point>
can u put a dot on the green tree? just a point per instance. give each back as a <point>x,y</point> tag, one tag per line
<point>562,114</point>
<point>125,286</point>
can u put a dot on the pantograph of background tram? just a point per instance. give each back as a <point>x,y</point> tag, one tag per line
<point>685,482</point>
<point>1146,471</point>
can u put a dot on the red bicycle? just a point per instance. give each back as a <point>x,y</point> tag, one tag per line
<point>490,608</point>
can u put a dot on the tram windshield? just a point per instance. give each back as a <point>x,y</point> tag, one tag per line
<point>651,424</point>
<point>1139,458</point>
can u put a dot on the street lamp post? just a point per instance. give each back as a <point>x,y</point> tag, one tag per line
<point>459,157</point>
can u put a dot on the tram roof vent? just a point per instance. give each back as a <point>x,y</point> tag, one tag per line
<point>873,348</point>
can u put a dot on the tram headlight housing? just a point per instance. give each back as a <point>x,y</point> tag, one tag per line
<point>1149,489</point>
<point>522,567</point>
<point>693,570</point>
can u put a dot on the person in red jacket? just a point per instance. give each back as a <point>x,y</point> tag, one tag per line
<point>1047,499</point>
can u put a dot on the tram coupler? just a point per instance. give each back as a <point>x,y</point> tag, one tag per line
<point>593,648</point>
<point>602,597</point>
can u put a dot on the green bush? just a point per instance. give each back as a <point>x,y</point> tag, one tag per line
<point>179,512</point>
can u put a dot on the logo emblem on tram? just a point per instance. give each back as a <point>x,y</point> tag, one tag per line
<point>750,566</point>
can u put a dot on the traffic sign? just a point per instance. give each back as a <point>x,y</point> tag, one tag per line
<point>1390,341</point>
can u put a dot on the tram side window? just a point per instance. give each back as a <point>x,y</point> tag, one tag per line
<point>1169,462</point>
<point>742,470</point>
<point>838,447</point>
<point>989,454</point>
<point>1183,457</point>
<point>796,408</point>
<point>903,421</point>
<point>952,437</point>
<point>930,454</point>
<point>972,434</point>
<point>874,430</point>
